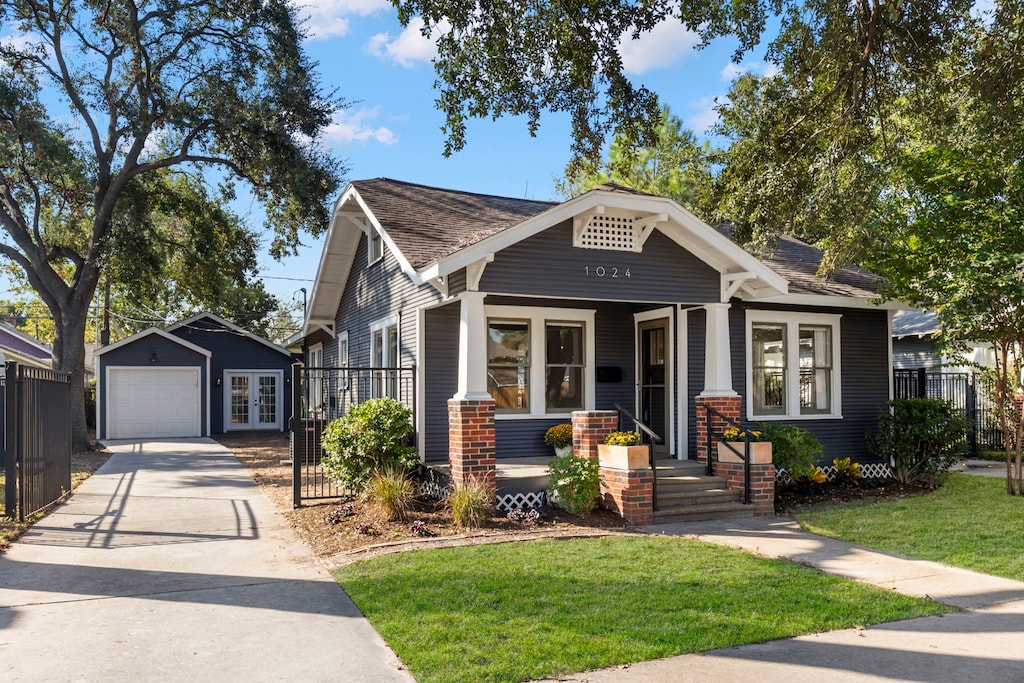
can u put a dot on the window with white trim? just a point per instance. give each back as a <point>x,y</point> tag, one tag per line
<point>343,381</point>
<point>314,378</point>
<point>540,361</point>
<point>384,354</point>
<point>374,246</point>
<point>793,361</point>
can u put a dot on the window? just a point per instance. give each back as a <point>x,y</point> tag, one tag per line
<point>374,246</point>
<point>793,360</point>
<point>384,354</point>
<point>314,378</point>
<point>343,380</point>
<point>540,361</point>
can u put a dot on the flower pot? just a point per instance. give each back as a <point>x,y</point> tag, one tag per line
<point>624,457</point>
<point>760,452</point>
<point>562,450</point>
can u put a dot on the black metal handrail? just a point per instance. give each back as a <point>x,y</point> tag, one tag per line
<point>744,456</point>
<point>650,453</point>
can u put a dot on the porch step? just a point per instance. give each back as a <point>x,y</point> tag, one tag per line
<point>696,513</point>
<point>692,496</point>
<point>689,499</point>
<point>680,483</point>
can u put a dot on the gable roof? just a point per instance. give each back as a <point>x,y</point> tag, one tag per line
<point>221,322</point>
<point>914,324</point>
<point>433,232</point>
<point>160,333</point>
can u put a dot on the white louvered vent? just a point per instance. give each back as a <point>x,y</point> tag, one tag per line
<point>613,233</point>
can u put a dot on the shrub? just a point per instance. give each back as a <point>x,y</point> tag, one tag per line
<point>372,436</point>
<point>793,449</point>
<point>575,483</point>
<point>847,471</point>
<point>919,438</point>
<point>623,439</point>
<point>559,436</point>
<point>471,503</point>
<point>390,494</point>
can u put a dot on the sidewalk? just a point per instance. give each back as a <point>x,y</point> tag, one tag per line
<point>170,564</point>
<point>980,643</point>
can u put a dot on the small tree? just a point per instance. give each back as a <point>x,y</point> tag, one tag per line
<point>373,436</point>
<point>920,438</point>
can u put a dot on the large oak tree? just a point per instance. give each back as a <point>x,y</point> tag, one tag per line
<point>95,96</point>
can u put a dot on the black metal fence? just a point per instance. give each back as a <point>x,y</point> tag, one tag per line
<point>974,394</point>
<point>37,438</point>
<point>321,395</point>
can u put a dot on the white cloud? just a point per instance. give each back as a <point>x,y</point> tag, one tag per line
<point>326,18</point>
<point>664,45</point>
<point>704,117</point>
<point>26,42</point>
<point>349,127</point>
<point>732,71</point>
<point>409,47</point>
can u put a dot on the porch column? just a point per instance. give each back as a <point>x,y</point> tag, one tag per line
<point>472,348</point>
<point>471,437</point>
<point>717,352</point>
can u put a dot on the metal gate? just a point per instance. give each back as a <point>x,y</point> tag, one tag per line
<point>971,393</point>
<point>37,438</point>
<point>320,395</point>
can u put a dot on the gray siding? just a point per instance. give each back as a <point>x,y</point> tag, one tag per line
<point>440,376</point>
<point>695,325</point>
<point>235,351</point>
<point>865,378</point>
<point>138,354</point>
<point>547,264</point>
<point>915,352</point>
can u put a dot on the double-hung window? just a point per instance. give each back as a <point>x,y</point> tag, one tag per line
<point>793,365</point>
<point>384,355</point>
<point>314,378</point>
<point>540,361</point>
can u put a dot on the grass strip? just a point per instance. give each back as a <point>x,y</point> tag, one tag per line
<point>970,522</point>
<point>513,612</point>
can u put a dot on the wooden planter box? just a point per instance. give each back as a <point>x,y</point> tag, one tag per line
<point>624,457</point>
<point>760,452</point>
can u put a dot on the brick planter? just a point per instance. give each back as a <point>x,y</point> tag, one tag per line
<point>630,493</point>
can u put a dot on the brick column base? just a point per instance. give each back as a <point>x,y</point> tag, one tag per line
<point>630,493</point>
<point>762,484</point>
<point>726,405</point>
<point>471,441</point>
<point>589,428</point>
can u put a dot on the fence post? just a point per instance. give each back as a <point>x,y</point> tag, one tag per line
<point>295,427</point>
<point>922,383</point>
<point>11,444</point>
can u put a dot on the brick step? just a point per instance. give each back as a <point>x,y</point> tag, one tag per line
<point>687,483</point>
<point>689,499</point>
<point>693,514</point>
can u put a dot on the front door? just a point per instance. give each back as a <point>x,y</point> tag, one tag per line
<point>252,400</point>
<point>655,379</point>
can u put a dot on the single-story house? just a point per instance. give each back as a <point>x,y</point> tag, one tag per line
<point>915,345</point>
<point>200,376</point>
<point>612,298</point>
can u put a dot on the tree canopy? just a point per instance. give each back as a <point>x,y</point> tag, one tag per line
<point>96,99</point>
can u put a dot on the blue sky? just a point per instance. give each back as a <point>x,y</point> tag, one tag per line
<point>393,130</point>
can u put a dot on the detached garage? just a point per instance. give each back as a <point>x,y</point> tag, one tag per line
<point>199,376</point>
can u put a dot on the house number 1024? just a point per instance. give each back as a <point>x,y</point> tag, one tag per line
<point>602,271</point>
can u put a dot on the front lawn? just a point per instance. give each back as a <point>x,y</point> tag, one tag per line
<point>516,611</point>
<point>970,522</point>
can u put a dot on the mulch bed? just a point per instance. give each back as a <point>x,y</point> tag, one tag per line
<point>815,496</point>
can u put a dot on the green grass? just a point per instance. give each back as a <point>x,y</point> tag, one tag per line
<point>511,612</point>
<point>970,522</point>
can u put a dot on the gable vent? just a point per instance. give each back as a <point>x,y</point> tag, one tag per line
<point>613,233</point>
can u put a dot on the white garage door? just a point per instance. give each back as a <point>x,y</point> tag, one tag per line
<point>150,402</point>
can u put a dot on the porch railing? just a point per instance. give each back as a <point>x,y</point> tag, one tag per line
<point>744,456</point>
<point>655,439</point>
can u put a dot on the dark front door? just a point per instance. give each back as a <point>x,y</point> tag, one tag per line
<point>655,380</point>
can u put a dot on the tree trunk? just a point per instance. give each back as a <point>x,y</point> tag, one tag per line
<point>69,355</point>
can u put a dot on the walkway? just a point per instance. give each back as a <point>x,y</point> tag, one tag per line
<point>980,643</point>
<point>169,564</point>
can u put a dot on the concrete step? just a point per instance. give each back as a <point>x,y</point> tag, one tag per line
<point>690,483</point>
<point>696,513</point>
<point>688,499</point>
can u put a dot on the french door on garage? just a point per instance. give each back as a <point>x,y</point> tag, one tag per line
<point>252,399</point>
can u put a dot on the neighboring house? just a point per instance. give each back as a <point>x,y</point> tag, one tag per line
<point>21,348</point>
<point>197,377</point>
<point>613,297</point>
<point>914,345</point>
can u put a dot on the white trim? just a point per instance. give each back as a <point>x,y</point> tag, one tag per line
<point>160,333</point>
<point>342,337</point>
<point>793,320</point>
<point>892,380</point>
<point>231,326</point>
<point>683,382</point>
<point>253,423</point>
<point>421,393</point>
<point>538,317</point>
<point>201,392</point>
<point>671,371</point>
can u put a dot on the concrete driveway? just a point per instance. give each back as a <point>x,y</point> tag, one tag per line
<point>170,564</point>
